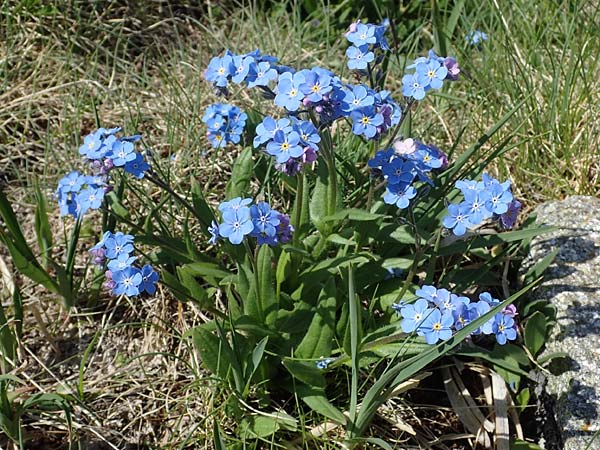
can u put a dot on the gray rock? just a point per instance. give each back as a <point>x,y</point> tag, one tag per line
<point>572,284</point>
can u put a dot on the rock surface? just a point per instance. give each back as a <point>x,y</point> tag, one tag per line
<point>572,284</point>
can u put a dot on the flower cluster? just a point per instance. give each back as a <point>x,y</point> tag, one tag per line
<point>78,193</point>
<point>476,38</point>
<point>437,312</point>
<point>486,199</point>
<point>242,218</point>
<point>366,39</point>
<point>429,73</point>
<point>114,251</point>
<point>106,151</point>
<point>315,90</point>
<point>404,164</point>
<point>293,142</point>
<point>251,68</point>
<point>225,124</point>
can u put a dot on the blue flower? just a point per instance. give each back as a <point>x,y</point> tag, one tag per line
<point>149,280</point>
<point>504,328</point>
<point>90,198</point>
<point>213,229</point>
<point>359,57</point>
<point>309,136</point>
<point>414,314</point>
<point>242,67</point>
<point>431,74</point>
<point>475,201</point>
<point>458,219</point>
<point>381,158</point>
<point>122,152</point>
<point>398,171</point>
<point>219,69</point>
<point>284,147</point>
<point>127,282</point>
<point>476,37</point>
<point>323,363</point>
<point>362,35</point>
<point>499,199</point>
<point>316,84</point>
<point>412,87</point>
<point>365,122</point>
<point>357,98</point>
<point>399,195</point>
<point>236,204</point>
<point>289,95</point>
<point>265,220</point>
<point>437,326</point>
<point>261,74</point>
<point>91,144</point>
<point>236,224</point>
<point>122,262</point>
<point>137,167</point>
<point>118,244</point>
<point>265,131</point>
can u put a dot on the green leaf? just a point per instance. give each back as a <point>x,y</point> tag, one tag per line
<point>522,398</point>
<point>535,332</point>
<point>318,206</point>
<point>306,372</point>
<point>522,445</point>
<point>255,359</point>
<point>547,358</point>
<point>201,209</point>
<point>267,295</point>
<point>538,269</point>
<point>489,240</point>
<point>211,351</point>
<point>316,399</point>
<point>239,182</point>
<point>116,206</point>
<point>321,331</point>
<point>353,214</point>
<point>262,426</point>
<point>194,289</point>
<point>219,441</point>
<point>43,230</point>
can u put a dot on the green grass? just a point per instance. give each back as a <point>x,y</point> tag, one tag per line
<point>140,66</point>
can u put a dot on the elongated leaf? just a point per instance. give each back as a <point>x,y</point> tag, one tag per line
<point>267,295</point>
<point>353,214</point>
<point>211,351</point>
<point>439,33</point>
<point>319,202</point>
<point>8,343</point>
<point>489,240</point>
<point>535,332</point>
<point>255,359</point>
<point>305,371</point>
<point>239,182</point>
<point>194,289</point>
<point>28,265</point>
<point>219,441</point>
<point>319,337</point>
<point>42,225</point>
<point>316,399</point>
<point>211,272</point>
<point>538,269</point>
<point>202,211</point>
